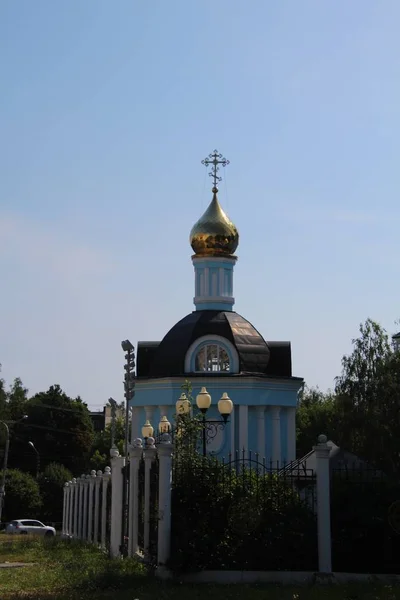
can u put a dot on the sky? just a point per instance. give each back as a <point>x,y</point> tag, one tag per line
<point>106,111</point>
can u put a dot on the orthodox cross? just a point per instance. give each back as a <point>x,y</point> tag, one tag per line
<point>215,159</point>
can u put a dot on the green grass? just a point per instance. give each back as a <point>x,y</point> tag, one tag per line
<point>74,571</point>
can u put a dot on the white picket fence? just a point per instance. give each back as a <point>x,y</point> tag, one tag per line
<point>94,515</point>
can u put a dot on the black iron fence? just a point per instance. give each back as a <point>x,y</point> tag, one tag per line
<point>365,521</point>
<point>242,513</point>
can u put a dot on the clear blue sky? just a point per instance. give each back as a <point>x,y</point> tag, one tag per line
<point>106,110</point>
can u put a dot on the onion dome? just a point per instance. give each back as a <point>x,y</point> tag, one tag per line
<point>214,234</point>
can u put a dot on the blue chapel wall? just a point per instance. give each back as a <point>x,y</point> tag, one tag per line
<point>165,394</point>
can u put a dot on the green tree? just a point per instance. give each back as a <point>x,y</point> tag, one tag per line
<point>316,413</point>
<point>60,428</point>
<point>100,451</point>
<point>368,398</point>
<point>22,498</point>
<point>51,483</point>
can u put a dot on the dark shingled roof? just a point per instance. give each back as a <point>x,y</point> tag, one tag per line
<point>256,356</point>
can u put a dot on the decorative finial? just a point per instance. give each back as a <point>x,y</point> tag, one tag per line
<point>215,159</point>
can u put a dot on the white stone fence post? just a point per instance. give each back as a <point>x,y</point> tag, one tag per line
<point>117,488</point>
<point>322,451</point>
<point>135,456</point>
<point>165,449</point>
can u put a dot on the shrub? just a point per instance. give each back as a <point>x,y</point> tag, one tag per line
<point>22,497</point>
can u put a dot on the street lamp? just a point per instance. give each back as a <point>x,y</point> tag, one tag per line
<point>164,425</point>
<point>147,430</point>
<point>211,428</point>
<point>32,445</point>
<point>129,392</point>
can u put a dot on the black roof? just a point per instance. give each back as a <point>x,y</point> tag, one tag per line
<point>256,356</point>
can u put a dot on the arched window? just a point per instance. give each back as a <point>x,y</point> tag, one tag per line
<point>212,358</point>
<point>212,354</point>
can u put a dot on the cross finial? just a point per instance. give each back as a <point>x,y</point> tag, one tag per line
<point>215,159</point>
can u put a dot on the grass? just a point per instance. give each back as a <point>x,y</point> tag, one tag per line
<point>73,571</point>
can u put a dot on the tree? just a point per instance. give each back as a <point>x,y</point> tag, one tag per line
<point>51,483</point>
<point>316,414</point>
<point>60,428</point>
<point>22,498</point>
<point>368,398</point>
<point>100,451</point>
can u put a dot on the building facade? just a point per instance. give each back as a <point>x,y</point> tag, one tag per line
<point>216,348</point>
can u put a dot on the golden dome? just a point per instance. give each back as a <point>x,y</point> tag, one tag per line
<point>214,234</point>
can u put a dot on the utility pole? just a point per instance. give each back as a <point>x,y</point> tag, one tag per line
<point>129,392</point>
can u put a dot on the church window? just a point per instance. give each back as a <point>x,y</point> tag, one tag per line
<point>212,358</point>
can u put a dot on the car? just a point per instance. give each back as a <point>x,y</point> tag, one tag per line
<point>25,526</point>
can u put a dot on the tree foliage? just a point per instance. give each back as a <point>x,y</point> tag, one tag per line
<point>22,497</point>
<point>51,483</point>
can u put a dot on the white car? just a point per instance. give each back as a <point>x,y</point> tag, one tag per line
<point>25,526</point>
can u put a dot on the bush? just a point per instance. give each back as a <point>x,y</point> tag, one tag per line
<point>22,498</point>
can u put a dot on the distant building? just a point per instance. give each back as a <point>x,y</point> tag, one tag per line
<point>102,418</point>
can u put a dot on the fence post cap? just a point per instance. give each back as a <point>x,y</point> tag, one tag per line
<point>114,452</point>
<point>322,439</point>
<point>107,471</point>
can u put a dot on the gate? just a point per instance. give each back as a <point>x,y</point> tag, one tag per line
<point>242,514</point>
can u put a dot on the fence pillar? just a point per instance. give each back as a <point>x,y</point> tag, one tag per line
<point>106,482</point>
<point>85,507</point>
<point>76,507</point>
<point>322,451</point>
<point>150,452</point>
<point>69,509</point>
<point>65,503</point>
<point>164,499</point>
<point>72,508</point>
<point>82,480</point>
<point>135,452</point>
<point>90,508</point>
<point>97,484</point>
<point>117,488</point>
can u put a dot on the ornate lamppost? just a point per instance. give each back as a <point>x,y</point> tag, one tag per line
<point>209,427</point>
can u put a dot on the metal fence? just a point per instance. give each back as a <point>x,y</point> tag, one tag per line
<point>365,521</point>
<point>242,513</point>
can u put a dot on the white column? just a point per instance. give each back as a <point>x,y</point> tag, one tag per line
<point>135,424</point>
<point>117,489</point>
<point>164,500</point>
<point>163,411</point>
<point>291,433</point>
<point>243,429</point>
<point>99,478</point>
<point>90,506</point>
<point>206,281</point>
<point>104,507</point>
<point>221,274</point>
<point>232,430</point>
<point>260,411</point>
<point>149,411</point>
<point>276,436</point>
<point>322,451</point>
<point>69,508</point>
<point>76,505</point>
<point>135,454</point>
<point>66,485</point>
<point>149,456</point>
<point>85,507</point>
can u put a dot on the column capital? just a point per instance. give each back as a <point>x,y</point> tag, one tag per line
<point>260,411</point>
